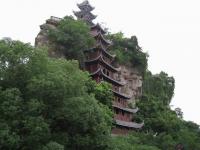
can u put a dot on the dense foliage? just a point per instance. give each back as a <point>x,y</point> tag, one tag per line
<point>128,51</point>
<point>104,94</point>
<point>44,103</point>
<point>71,37</point>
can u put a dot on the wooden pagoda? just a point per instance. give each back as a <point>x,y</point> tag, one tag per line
<point>99,64</point>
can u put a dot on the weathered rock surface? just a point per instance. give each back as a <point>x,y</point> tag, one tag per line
<point>133,81</point>
<point>42,39</point>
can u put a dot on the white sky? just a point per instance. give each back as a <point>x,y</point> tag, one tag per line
<point>169,30</point>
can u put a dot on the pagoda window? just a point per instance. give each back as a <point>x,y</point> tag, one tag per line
<point>122,102</point>
<point>108,73</point>
<point>116,88</point>
<point>93,55</point>
<point>115,98</point>
<point>104,70</point>
<point>140,89</point>
<point>93,68</point>
<point>117,111</point>
<point>123,113</point>
<point>119,100</point>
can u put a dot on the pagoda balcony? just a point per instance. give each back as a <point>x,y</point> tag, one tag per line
<point>126,117</point>
<point>121,95</point>
<point>120,131</point>
<point>119,103</point>
<point>122,108</point>
<point>129,124</point>
<point>109,79</point>
<point>99,73</point>
<point>92,55</point>
<point>103,62</point>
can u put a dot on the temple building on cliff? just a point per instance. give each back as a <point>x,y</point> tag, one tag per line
<point>126,81</point>
<point>99,64</point>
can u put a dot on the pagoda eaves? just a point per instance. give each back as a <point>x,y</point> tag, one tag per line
<point>100,73</point>
<point>129,110</point>
<point>100,59</point>
<point>98,27</point>
<point>100,47</point>
<point>129,124</point>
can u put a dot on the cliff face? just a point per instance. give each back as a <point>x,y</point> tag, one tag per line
<point>42,39</point>
<point>127,74</point>
<point>133,81</point>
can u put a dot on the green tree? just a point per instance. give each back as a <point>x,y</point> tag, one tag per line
<point>103,93</point>
<point>44,103</point>
<point>71,37</point>
<point>128,52</point>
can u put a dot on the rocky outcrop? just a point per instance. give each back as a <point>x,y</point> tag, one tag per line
<point>42,39</point>
<point>133,80</point>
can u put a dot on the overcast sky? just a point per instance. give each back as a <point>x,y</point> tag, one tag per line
<point>169,30</point>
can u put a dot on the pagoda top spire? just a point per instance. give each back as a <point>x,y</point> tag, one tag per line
<point>85,12</point>
<point>85,5</point>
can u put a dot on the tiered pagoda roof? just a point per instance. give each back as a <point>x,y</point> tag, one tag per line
<point>100,73</point>
<point>126,109</point>
<point>85,15</point>
<point>98,27</point>
<point>100,59</point>
<point>99,46</point>
<point>124,96</point>
<point>99,36</point>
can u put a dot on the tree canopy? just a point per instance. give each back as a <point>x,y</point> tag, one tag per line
<point>128,52</point>
<point>45,104</point>
<point>71,37</point>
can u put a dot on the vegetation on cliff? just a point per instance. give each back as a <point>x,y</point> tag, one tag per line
<point>71,37</point>
<point>128,52</point>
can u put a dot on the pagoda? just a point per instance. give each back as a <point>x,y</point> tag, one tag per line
<point>99,64</point>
